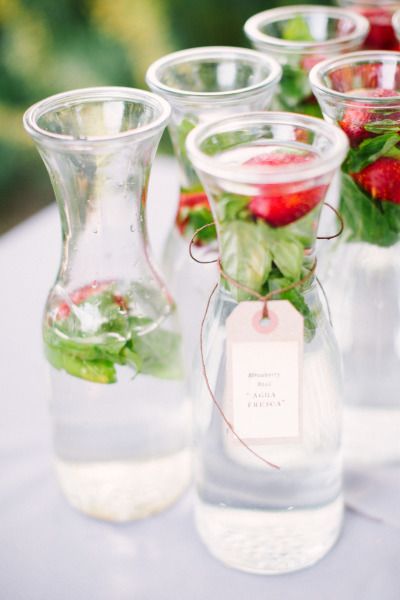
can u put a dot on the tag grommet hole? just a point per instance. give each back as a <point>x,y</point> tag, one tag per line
<point>265,321</point>
<point>264,324</point>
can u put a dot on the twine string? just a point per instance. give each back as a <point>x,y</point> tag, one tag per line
<point>214,260</point>
<point>215,401</point>
<point>192,241</point>
<point>341,224</point>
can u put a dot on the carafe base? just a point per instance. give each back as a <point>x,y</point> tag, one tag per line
<point>269,541</point>
<point>124,490</point>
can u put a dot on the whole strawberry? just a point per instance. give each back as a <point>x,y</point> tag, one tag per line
<point>358,116</point>
<point>381,179</point>
<point>280,204</point>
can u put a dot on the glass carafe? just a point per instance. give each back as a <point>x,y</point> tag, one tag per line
<point>361,93</point>
<point>202,84</point>
<point>299,37</point>
<point>379,13</point>
<point>120,419</point>
<point>267,175</point>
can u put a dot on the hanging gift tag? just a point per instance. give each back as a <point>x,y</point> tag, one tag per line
<point>264,372</point>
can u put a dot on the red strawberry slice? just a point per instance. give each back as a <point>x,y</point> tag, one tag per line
<point>355,118</point>
<point>85,292</point>
<point>279,204</point>
<point>381,179</point>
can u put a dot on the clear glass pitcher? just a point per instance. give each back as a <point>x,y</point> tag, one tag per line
<point>267,175</point>
<point>299,37</point>
<point>202,84</point>
<point>121,422</point>
<point>361,93</point>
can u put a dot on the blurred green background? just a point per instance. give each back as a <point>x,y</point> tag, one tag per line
<point>49,46</point>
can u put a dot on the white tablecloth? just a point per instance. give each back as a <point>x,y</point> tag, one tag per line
<point>50,552</point>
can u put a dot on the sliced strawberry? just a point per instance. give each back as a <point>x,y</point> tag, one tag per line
<point>120,301</point>
<point>85,292</point>
<point>355,118</point>
<point>381,179</point>
<point>88,291</point>
<point>278,204</point>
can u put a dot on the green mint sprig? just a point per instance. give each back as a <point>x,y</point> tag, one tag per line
<point>264,258</point>
<point>370,150</point>
<point>367,219</point>
<point>118,342</point>
<point>297,30</point>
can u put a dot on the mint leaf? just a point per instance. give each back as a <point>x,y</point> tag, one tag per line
<point>221,142</point>
<point>295,297</point>
<point>392,214</point>
<point>369,151</point>
<point>198,217</point>
<point>246,256</point>
<point>366,219</point>
<point>160,354</point>
<point>383,126</point>
<point>231,207</point>
<point>98,371</point>
<point>81,347</point>
<point>297,30</point>
<point>287,252</point>
<point>288,256</point>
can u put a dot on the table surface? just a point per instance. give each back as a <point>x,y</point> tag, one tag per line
<point>50,552</point>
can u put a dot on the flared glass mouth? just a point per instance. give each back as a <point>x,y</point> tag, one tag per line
<point>238,148</point>
<point>306,29</point>
<point>97,115</point>
<point>372,78</point>
<point>220,72</point>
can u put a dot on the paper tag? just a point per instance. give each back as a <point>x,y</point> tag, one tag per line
<point>264,372</point>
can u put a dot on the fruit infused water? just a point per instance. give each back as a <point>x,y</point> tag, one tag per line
<point>267,175</point>
<point>120,419</point>
<point>203,84</point>
<point>361,94</point>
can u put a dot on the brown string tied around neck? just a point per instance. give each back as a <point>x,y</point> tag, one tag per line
<point>212,396</point>
<point>212,224</point>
